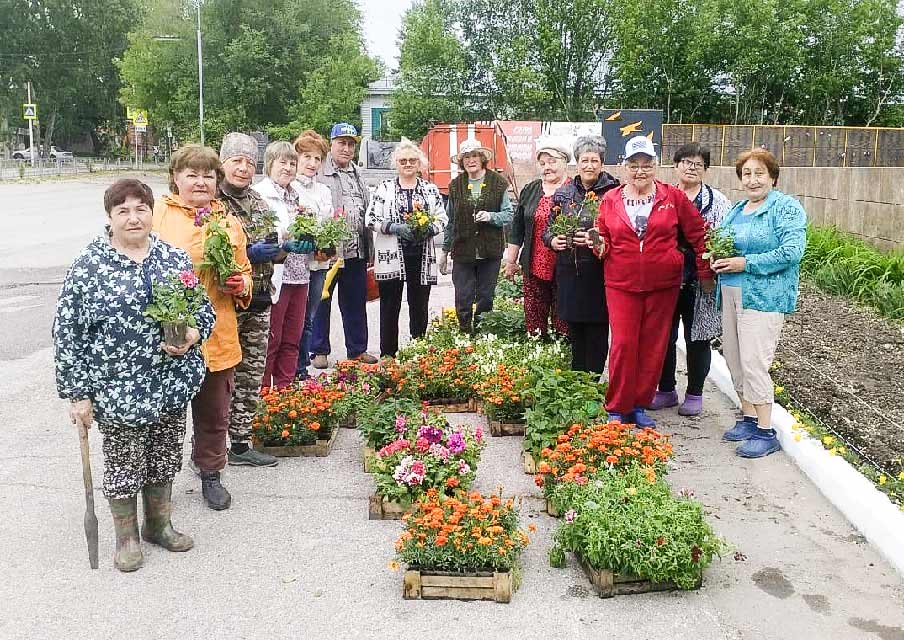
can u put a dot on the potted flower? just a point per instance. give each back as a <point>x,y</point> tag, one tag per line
<point>304,226</point>
<point>430,454</point>
<point>565,224</point>
<point>465,546</point>
<point>174,304</point>
<point>719,243</point>
<point>331,232</point>
<point>420,221</point>
<point>219,254</point>
<point>631,535</point>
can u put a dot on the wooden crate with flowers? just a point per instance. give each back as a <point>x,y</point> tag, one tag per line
<point>361,385</point>
<point>296,421</point>
<point>582,451</point>
<point>430,454</point>
<point>464,547</point>
<point>385,422</point>
<point>503,399</point>
<point>443,378</point>
<point>631,535</point>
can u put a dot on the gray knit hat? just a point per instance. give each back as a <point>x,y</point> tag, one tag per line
<point>238,144</point>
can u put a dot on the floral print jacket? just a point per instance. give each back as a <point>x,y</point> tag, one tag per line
<point>107,351</point>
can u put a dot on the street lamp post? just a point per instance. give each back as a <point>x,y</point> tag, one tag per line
<point>200,75</point>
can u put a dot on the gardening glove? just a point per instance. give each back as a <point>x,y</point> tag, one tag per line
<point>444,262</point>
<point>298,246</point>
<point>483,216</point>
<point>234,285</point>
<point>262,252</point>
<point>401,230</point>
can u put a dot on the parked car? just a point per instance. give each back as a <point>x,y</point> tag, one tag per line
<point>55,154</point>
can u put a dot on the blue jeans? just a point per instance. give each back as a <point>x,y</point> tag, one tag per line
<point>315,290</point>
<point>351,282</point>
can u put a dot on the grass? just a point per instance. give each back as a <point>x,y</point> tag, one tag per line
<point>842,264</point>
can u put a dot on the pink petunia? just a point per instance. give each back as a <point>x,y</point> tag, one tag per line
<point>189,279</point>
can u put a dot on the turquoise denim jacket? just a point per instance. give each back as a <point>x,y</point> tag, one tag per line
<point>773,243</point>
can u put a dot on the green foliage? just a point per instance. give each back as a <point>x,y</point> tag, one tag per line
<point>219,254</point>
<point>505,320</point>
<point>841,264</point>
<point>720,243</point>
<point>558,399</point>
<point>174,302</point>
<point>377,422</point>
<point>624,523</point>
<point>510,289</point>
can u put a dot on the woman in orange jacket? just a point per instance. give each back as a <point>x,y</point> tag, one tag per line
<point>182,218</point>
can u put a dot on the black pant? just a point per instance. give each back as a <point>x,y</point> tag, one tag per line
<point>699,354</point>
<point>589,345</point>
<point>391,305</point>
<point>475,283</point>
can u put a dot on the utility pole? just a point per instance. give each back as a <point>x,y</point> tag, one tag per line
<point>200,75</point>
<point>31,136</point>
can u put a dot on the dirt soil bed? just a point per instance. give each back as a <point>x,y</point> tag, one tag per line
<point>845,365</point>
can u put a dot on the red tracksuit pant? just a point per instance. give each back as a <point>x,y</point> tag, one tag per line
<point>640,326</point>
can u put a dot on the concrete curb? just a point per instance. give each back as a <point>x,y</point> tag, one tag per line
<point>865,507</point>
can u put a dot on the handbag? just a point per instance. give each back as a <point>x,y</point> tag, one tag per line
<point>373,291</point>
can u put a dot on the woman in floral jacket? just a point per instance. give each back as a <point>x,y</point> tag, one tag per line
<point>112,365</point>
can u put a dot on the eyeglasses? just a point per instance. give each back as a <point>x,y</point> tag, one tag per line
<point>637,168</point>
<point>411,161</point>
<point>690,164</point>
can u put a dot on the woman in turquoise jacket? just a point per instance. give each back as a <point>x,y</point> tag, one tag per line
<point>758,287</point>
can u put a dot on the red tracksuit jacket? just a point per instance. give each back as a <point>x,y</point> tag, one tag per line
<point>656,262</point>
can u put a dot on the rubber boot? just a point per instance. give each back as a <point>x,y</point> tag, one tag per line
<point>158,525</point>
<point>128,556</point>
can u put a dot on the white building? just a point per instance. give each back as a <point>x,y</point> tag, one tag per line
<point>375,107</point>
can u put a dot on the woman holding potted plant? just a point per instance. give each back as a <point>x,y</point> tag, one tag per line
<point>758,286</point>
<point>581,299</point>
<point>696,308</point>
<point>529,223</point>
<point>116,368</point>
<point>639,224</point>
<point>405,214</point>
<point>192,219</point>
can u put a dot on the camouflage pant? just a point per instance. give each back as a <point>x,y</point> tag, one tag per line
<point>254,328</point>
<point>136,456</point>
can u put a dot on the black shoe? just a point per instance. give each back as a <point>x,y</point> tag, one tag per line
<point>214,493</point>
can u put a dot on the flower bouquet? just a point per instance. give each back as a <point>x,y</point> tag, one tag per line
<point>174,304</point>
<point>473,541</point>
<point>420,221</point>
<point>719,243</point>
<point>219,254</point>
<point>430,454</point>
<point>584,451</point>
<point>631,534</point>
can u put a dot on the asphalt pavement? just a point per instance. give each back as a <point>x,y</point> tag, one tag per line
<point>296,557</point>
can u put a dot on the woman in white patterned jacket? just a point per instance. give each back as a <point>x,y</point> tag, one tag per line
<point>405,214</point>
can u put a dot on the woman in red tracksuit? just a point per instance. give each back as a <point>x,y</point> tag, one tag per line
<point>639,225</point>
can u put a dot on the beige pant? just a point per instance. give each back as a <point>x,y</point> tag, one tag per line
<point>749,338</point>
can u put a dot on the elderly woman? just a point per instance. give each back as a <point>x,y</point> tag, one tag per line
<point>479,208</point>
<point>758,287</point>
<point>183,218</point>
<point>290,296</point>
<point>316,197</point>
<point>696,309</point>
<point>112,364</point>
<point>639,225</point>
<point>238,155</point>
<point>579,278</point>
<point>405,214</point>
<point>530,220</point>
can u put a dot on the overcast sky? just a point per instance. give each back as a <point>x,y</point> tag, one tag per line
<point>382,19</point>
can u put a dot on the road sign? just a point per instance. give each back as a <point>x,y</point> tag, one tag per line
<point>30,111</point>
<point>137,116</point>
<point>141,128</point>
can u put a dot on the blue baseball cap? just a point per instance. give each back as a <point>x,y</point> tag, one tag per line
<point>344,130</point>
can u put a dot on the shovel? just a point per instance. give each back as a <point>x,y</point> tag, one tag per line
<point>90,517</point>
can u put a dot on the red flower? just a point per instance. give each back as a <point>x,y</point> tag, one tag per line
<point>189,279</point>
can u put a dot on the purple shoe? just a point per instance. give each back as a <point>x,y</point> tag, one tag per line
<point>664,400</point>
<point>692,405</point>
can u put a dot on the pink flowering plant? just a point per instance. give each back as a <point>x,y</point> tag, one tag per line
<point>381,423</point>
<point>428,453</point>
<point>177,299</point>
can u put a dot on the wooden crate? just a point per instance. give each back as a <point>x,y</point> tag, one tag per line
<point>369,455</point>
<point>443,585</point>
<point>350,422</point>
<point>379,508</point>
<point>551,510</point>
<point>451,405</point>
<point>528,462</point>
<point>320,449</point>
<point>479,407</point>
<point>608,584</point>
<point>498,428</point>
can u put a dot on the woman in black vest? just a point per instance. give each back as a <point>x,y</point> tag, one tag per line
<point>479,208</point>
<point>579,274</point>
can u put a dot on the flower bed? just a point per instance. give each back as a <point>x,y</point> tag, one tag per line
<point>470,543</point>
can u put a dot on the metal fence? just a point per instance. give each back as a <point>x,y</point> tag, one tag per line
<point>45,167</point>
<point>794,146</point>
